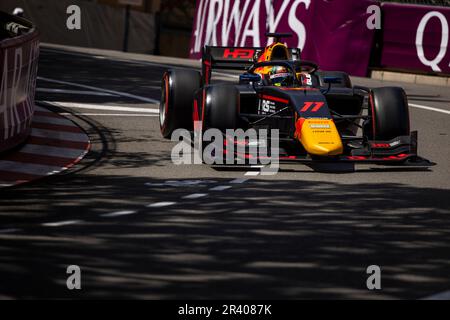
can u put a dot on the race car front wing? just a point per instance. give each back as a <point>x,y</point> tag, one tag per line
<point>401,151</point>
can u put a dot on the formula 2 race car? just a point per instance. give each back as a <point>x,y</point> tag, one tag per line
<point>319,114</point>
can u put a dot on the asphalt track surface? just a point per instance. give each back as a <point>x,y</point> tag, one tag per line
<point>141,227</point>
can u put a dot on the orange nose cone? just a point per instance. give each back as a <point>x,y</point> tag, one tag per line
<point>320,137</point>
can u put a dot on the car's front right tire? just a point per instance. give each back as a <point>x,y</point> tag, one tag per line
<point>389,110</point>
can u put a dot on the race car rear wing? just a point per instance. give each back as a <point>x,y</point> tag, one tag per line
<point>232,58</point>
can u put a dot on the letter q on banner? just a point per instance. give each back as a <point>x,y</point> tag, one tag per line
<point>434,63</point>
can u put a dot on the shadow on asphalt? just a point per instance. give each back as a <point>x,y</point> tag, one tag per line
<point>233,244</point>
<point>127,77</point>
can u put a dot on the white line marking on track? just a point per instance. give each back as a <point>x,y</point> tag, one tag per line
<point>252,173</point>
<point>61,223</point>
<point>418,106</point>
<point>195,196</point>
<point>28,168</point>
<point>122,94</point>
<point>80,92</point>
<point>118,214</point>
<point>101,107</point>
<point>110,114</point>
<point>161,204</point>
<point>220,188</point>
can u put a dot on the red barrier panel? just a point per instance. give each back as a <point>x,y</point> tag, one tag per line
<point>18,64</point>
<point>332,33</point>
<point>416,38</point>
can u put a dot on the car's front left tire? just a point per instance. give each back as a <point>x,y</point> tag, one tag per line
<point>177,94</point>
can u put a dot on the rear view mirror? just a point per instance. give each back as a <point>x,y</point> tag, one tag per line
<point>249,77</point>
<point>331,80</point>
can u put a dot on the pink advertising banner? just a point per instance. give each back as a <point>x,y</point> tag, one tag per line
<point>416,38</point>
<point>332,33</point>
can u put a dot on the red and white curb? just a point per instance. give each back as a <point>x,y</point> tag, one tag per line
<point>55,145</point>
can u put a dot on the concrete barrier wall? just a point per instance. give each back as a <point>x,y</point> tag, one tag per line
<point>18,65</point>
<point>102,26</point>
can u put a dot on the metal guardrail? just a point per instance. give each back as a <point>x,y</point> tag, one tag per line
<point>19,51</point>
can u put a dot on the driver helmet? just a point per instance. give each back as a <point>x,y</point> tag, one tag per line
<point>281,77</point>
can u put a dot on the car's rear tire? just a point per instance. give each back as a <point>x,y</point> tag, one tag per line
<point>221,107</point>
<point>389,109</point>
<point>344,77</point>
<point>177,94</point>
